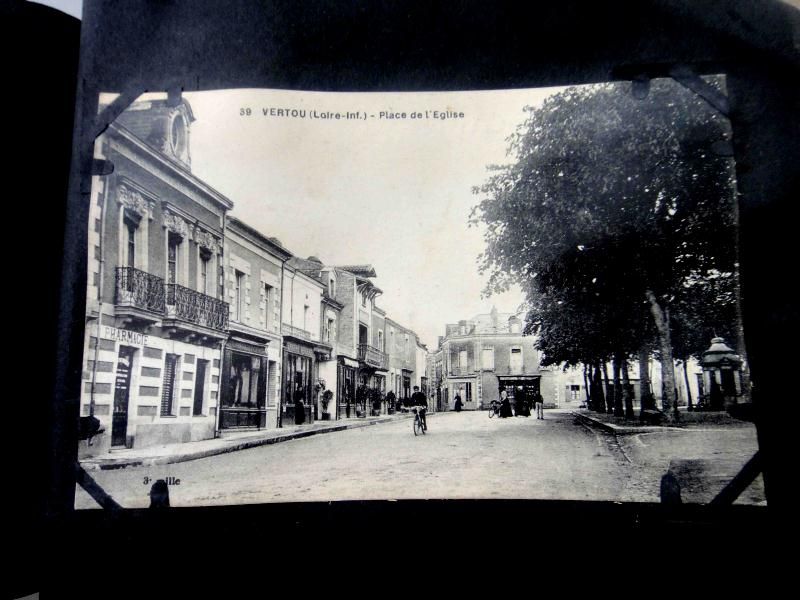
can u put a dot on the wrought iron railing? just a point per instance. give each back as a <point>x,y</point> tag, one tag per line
<point>140,289</point>
<point>371,356</point>
<point>195,307</point>
<point>297,332</point>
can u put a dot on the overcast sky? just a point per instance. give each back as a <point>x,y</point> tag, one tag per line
<point>392,193</point>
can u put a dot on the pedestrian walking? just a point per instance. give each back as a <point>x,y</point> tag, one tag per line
<point>458,403</point>
<point>538,404</point>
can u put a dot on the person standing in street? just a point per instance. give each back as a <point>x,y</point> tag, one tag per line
<point>458,403</point>
<point>538,404</point>
<point>505,404</point>
<point>299,406</point>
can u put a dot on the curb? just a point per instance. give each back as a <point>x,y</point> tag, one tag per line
<point>113,464</point>
<point>610,428</point>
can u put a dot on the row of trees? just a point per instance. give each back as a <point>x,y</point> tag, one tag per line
<point>618,219</point>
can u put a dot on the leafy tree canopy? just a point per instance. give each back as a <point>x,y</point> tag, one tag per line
<point>610,197</point>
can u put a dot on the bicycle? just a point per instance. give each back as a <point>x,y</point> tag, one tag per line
<point>494,409</point>
<point>419,426</point>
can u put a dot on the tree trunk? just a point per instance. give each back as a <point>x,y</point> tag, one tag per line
<point>618,411</point>
<point>608,392</point>
<point>646,400</point>
<point>740,346</point>
<point>661,318</point>
<point>599,400</point>
<point>586,386</point>
<point>626,390</point>
<point>689,403</point>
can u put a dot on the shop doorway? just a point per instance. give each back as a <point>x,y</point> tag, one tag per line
<point>200,386</point>
<point>122,390</point>
<point>520,389</point>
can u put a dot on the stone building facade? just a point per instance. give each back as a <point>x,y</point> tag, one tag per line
<point>156,314</point>
<point>402,347</point>
<point>197,323</point>
<point>303,347</point>
<point>253,353</point>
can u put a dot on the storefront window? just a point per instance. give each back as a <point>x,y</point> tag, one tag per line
<point>297,378</point>
<point>245,377</point>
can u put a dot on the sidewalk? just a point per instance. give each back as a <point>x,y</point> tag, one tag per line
<point>703,453</point>
<point>612,424</point>
<point>230,441</point>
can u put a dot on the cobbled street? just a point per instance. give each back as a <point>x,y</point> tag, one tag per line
<point>463,455</point>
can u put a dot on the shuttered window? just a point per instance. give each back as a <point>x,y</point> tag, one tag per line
<point>168,389</point>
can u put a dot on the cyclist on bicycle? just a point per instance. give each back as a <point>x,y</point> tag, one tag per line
<point>419,399</point>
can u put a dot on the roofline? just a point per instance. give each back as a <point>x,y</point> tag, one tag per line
<point>403,327</point>
<point>241,227</point>
<point>308,277</point>
<point>202,186</point>
<point>332,302</point>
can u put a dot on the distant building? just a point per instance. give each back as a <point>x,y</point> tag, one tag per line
<point>477,358</point>
<point>420,372</point>
<point>402,359</point>
<point>370,350</point>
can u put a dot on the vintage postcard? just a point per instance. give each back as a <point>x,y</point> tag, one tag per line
<point>299,296</point>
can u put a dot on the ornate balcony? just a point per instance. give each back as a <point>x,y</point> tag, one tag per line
<point>139,295</point>
<point>185,306</point>
<point>372,356</point>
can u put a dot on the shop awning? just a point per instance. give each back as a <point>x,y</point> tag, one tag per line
<point>238,345</point>
<point>295,348</point>
<point>349,362</point>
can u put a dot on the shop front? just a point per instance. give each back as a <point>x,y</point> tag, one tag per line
<point>146,389</point>
<point>347,388</point>
<point>299,376</point>
<point>244,385</point>
<point>370,390</point>
<point>406,394</point>
<point>519,387</point>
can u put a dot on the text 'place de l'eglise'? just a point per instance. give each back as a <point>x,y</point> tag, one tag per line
<point>197,323</point>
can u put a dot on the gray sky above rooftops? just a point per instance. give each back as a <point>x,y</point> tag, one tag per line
<point>395,194</point>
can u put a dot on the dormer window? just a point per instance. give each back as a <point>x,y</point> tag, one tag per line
<point>178,137</point>
<point>332,287</point>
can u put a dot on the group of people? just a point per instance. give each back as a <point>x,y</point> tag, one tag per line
<point>522,404</point>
